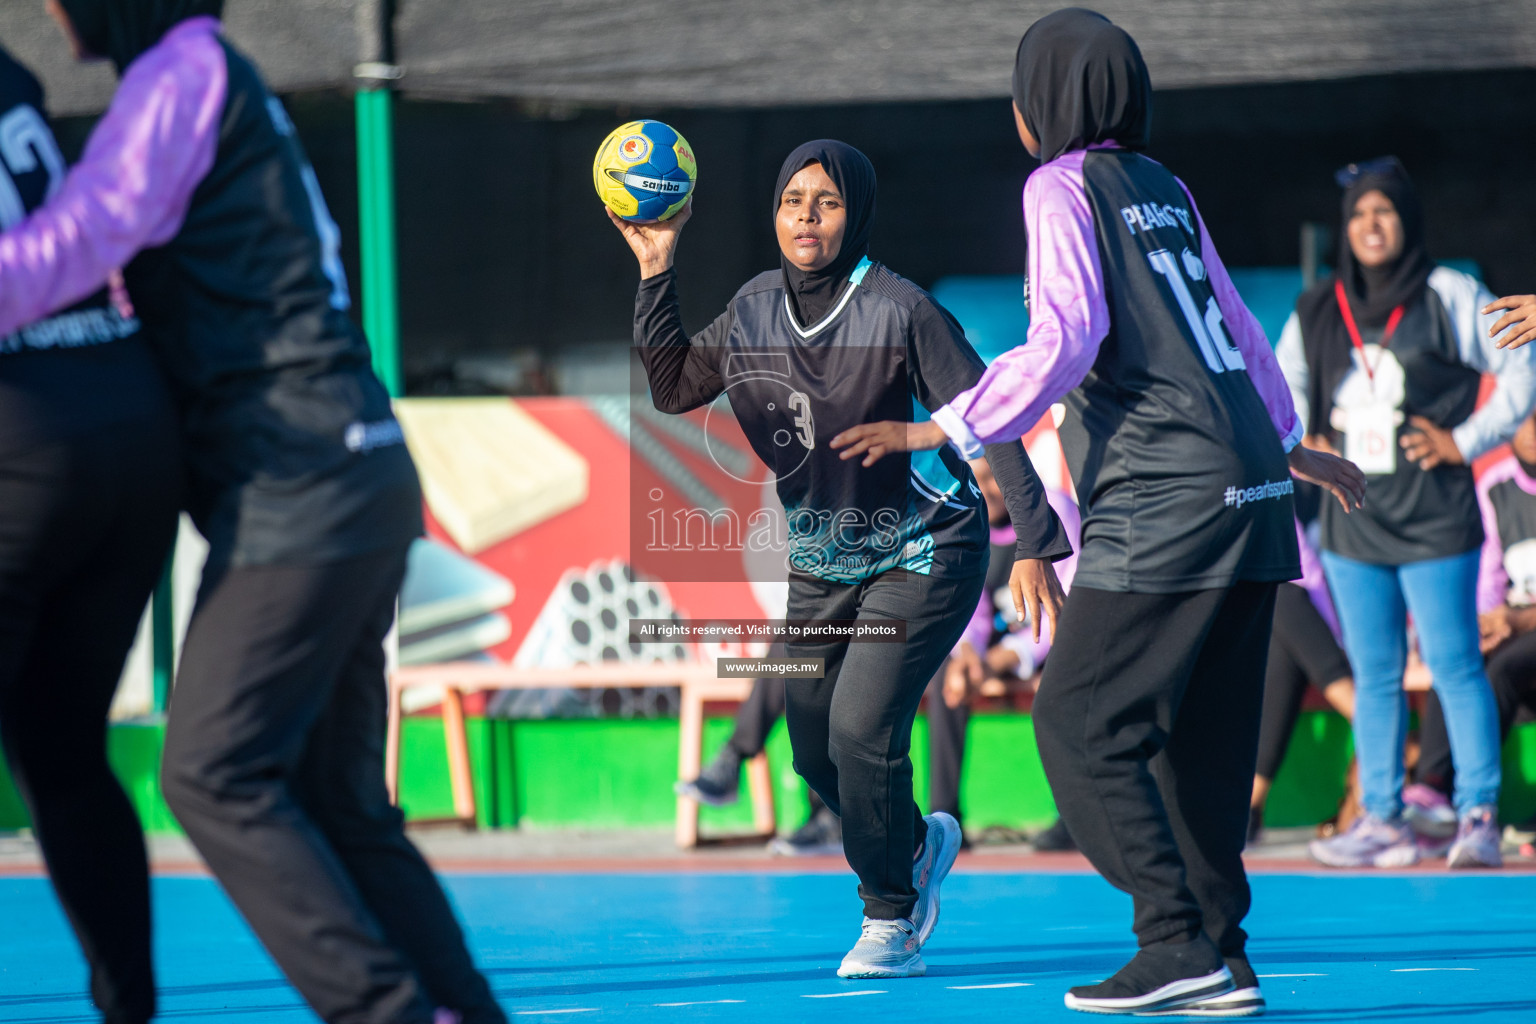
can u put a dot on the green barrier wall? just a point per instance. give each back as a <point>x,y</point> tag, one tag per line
<point>607,773</point>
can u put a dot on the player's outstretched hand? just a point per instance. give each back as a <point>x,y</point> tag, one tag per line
<point>654,243</point>
<point>1518,325</point>
<point>1340,477</point>
<point>876,440</point>
<point>1037,593</point>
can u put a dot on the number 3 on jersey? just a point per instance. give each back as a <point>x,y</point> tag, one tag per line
<point>1210,334</point>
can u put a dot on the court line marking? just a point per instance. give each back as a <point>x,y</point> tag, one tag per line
<point>539,1013</point>
<point>704,1002</point>
<point>1417,970</point>
<point>1002,984</point>
<point>1290,975</point>
<point>840,995</point>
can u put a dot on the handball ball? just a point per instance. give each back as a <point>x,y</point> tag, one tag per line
<point>644,170</point>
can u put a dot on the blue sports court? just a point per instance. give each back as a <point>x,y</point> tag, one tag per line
<point>685,947</point>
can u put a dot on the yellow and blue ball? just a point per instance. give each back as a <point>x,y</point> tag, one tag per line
<point>644,170</point>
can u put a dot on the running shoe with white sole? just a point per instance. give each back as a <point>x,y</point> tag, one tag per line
<point>1245,999</point>
<point>821,836</point>
<point>929,871</point>
<point>1429,811</point>
<point>1163,978</point>
<point>886,949</point>
<point>1477,840</point>
<point>718,785</point>
<point>1369,843</point>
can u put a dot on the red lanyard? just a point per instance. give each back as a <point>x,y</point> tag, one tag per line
<point>1354,332</point>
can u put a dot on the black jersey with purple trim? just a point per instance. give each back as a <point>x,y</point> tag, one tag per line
<point>885,351</point>
<point>295,455</point>
<point>1179,470</point>
<point>72,371</point>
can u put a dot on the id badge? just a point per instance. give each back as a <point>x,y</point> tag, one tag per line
<point>1370,438</point>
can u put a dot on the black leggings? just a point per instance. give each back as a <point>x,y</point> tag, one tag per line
<point>1302,650</point>
<point>85,526</point>
<point>1512,674</point>
<point>274,764</point>
<point>1148,724</point>
<point>852,730</point>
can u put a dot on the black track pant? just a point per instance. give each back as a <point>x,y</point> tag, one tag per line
<point>1301,650</point>
<point>1512,674</point>
<point>1148,723</point>
<point>946,749</point>
<point>85,525</point>
<point>759,712</point>
<point>852,730</point>
<point>274,764</point>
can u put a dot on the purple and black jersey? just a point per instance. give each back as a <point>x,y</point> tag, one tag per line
<point>884,351</point>
<point>60,374</point>
<point>1177,418</point>
<point>195,180</point>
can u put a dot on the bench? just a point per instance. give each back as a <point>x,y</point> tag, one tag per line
<point>697,682</point>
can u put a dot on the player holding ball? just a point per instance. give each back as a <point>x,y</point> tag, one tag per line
<point>839,339</point>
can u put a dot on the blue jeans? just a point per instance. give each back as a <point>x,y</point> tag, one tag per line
<point>1373,602</point>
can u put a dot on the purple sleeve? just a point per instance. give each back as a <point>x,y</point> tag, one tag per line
<point>1068,316</point>
<point>979,629</point>
<point>1258,354</point>
<point>1492,580</point>
<point>132,187</point>
<point>1314,582</point>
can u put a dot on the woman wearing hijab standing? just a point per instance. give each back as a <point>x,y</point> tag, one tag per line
<point>196,183</point>
<point>90,484</point>
<point>1384,361</point>
<point>1181,440</point>
<point>826,341</point>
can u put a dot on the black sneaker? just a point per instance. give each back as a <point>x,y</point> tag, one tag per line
<point>719,783</point>
<point>821,836</point>
<point>1245,999</point>
<point>1055,839</point>
<point>1164,977</point>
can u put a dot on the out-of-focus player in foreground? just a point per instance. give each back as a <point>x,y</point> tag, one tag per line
<point>1177,432</point>
<point>196,183</point>
<point>90,484</point>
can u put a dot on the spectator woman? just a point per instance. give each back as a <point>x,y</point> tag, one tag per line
<point>1384,360</point>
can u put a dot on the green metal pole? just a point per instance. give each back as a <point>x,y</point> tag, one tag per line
<point>376,202</point>
<point>162,639</point>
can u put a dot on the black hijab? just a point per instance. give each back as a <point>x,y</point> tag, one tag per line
<point>1079,79</point>
<point>813,292</point>
<point>1373,292</point>
<point>123,29</point>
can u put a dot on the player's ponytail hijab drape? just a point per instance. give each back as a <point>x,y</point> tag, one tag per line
<point>1079,79</point>
<point>123,29</point>
<point>813,292</point>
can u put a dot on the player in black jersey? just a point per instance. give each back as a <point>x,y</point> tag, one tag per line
<point>829,340</point>
<point>90,481</point>
<point>195,181</point>
<point>1182,440</point>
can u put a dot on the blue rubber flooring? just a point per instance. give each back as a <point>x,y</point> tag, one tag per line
<point>679,948</point>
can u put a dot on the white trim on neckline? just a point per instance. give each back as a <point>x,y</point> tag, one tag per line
<point>854,280</point>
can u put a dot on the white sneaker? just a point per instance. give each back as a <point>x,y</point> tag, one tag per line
<point>940,848</point>
<point>886,949</point>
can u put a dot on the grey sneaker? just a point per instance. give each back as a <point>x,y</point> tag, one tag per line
<point>1477,840</point>
<point>822,836</point>
<point>1369,843</point>
<point>719,784</point>
<point>929,871</point>
<point>886,949</point>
